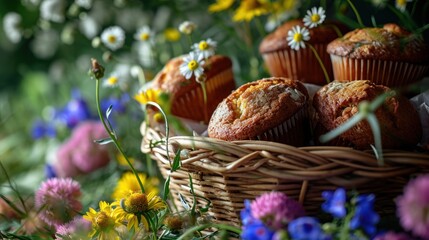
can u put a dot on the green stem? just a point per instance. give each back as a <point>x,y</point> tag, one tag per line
<point>167,128</point>
<point>191,231</point>
<point>328,80</point>
<point>342,128</point>
<point>203,87</point>
<point>260,27</point>
<point>111,135</point>
<point>375,127</point>
<point>359,19</point>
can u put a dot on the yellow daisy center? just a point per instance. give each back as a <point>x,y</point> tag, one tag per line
<point>297,37</point>
<point>112,80</point>
<point>401,2</point>
<point>315,18</point>
<point>136,203</point>
<point>111,38</point>
<point>102,220</point>
<point>193,65</point>
<point>144,36</point>
<point>203,45</point>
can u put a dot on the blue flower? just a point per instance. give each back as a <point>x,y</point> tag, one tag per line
<point>335,202</point>
<point>256,230</point>
<point>246,214</point>
<point>365,217</point>
<point>50,171</point>
<point>42,129</point>
<point>119,104</point>
<point>75,111</point>
<point>306,228</point>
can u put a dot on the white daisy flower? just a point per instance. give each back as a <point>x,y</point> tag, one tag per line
<point>53,10</point>
<point>192,64</point>
<point>187,27</point>
<point>87,4</point>
<point>119,77</point>
<point>113,37</point>
<point>145,54</point>
<point>315,17</point>
<point>205,47</point>
<point>88,26</point>
<point>402,4</point>
<point>144,34</point>
<point>112,80</point>
<point>297,36</point>
<point>11,26</point>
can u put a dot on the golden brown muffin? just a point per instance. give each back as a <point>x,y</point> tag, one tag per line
<point>389,56</point>
<point>273,109</point>
<point>282,61</point>
<point>337,102</point>
<point>187,96</point>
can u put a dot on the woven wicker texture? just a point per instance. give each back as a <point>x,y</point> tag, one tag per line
<point>227,173</point>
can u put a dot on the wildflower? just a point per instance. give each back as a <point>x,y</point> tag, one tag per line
<point>118,104</point>
<point>256,230</point>
<point>103,222</point>
<point>192,64</point>
<point>174,222</point>
<point>53,10</point>
<point>87,4</point>
<point>88,26</point>
<point>402,4</point>
<point>275,209</point>
<point>42,129</point>
<point>112,81</point>
<point>315,17</point>
<point>413,206</point>
<point>57,200</point>
<point>246,214</point>
<point>205,47</point>
<point>305,228</point>
<point>80,154</point>
<point>135,205</point>
<point>172,34</point>
<point>249,9</point>
<point>364,216</point>
<point>78,228</point>
<point>220,5</point>
<point>150,95</point>
<point>113,37</point>
<point>187,27</point>
<point>335,202</point>
<point>75,111</point>
<point>297,36</point>
<point>12,26</point>
<point>96,69</point>
<point>50,171</point>
<point>128,183</point>
<point>144,34</point>
<point>392,236</point>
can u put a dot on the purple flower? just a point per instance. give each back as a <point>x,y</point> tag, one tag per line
<point>78,228</point>
<point>413,207</point>
<point>275,209</point>
<point>335,202</point>
<point>57,201</point>
<point>80,154</point>
<point>50,171</point>
<point>42,129</point>
<point>119,104</point>
<point>365,217</point>
<point>256,230</point>
<point>306,228</point>
<point>392,236</point>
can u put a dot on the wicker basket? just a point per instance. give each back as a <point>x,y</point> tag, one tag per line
<point>227,173</point>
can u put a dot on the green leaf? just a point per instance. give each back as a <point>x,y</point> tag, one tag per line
<point>185,203</point>
<point>109,111</point>
<point>176,161</point>
<point>104,141</point>
<point>166,188</point>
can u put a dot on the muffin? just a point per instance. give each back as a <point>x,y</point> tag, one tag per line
<point>388,56</point>
<point>337,102</point>
<point>187,95</point>
<point>271,109</point>
<point>282,61</point>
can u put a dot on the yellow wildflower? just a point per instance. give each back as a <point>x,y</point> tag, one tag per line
<point>137,203</point>
<point>220,5</point>
<point>128,184</point>
<point>172,34</point>
<point>249,9</point>
<point>103,222</point>
<point>150,95</point>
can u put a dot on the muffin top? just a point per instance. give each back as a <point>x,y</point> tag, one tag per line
<point>337,102</point>
<point>170,80</point>
<point>256,107</point>
<point>276,40</point>
<point>388,43</point>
